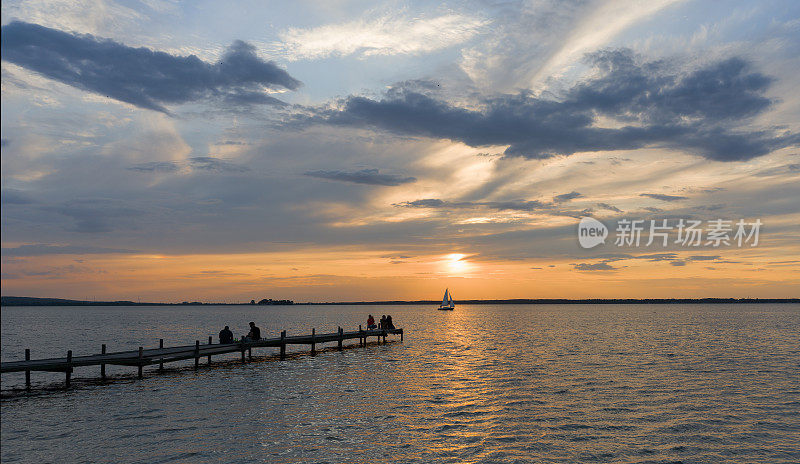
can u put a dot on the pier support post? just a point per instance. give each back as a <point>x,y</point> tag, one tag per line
<point>360,336</point>
<point>141,361</point>
<point>196,354</point>
<point>401,335</point>
<point>103,366</point>
<point>69,368</point>
<point>210,343</point>
<point>313,341</point>
<point>27,372</point>
<point>161,362</point>
<point>283,345</point>
<point>384,336</point>
<point>341,337</point>
<point>250,352</point>
<point>241,345</point>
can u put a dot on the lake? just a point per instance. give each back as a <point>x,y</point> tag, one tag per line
<point>485,383</point>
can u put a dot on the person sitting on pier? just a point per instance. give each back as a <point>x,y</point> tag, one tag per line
<point>389,323</point>
<point>371,322</point>
<point>225,335</point>
<point>382,324</point>
<point>255,333</point>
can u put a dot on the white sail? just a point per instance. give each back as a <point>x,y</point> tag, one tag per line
<point>446,299</point>
<point>450,300</point>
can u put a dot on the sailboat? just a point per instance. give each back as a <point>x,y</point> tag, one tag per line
<point>447,302</point>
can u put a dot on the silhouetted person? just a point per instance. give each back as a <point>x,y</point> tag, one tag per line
<point>371,322</point>
<point>255,332</point>
<point>389,323</point>
<point>225,335</point>
<point>383,323</point>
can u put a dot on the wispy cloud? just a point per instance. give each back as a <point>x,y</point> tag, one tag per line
<point>363,176</point>
<point>385,35</point>
<point>663,196</point>
<point>41,249</point>
<point>198,163</point>
<point>140,76</point>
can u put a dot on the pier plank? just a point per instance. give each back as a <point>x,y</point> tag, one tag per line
<point>148,356</point>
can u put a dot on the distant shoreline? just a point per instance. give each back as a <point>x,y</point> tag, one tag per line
<point>31,301</point>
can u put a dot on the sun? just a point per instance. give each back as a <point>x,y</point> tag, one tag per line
<point>456,264</point>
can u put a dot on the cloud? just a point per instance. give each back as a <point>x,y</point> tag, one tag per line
<point>594,267</point>
<point>566,196</point>
<point>198,163</point>
<point>140,76</point>
<point>363,176</point>
<point>41,249</point>
<point>210,163</point>
<point>609,207</point>
<point>704,258</point>
<point>512,205</point>
<point>424,203</point>
<point>14,197</point>
<point>519,206</point>
<point>157,166</point>
<point>96,215</point>
<point>653,105</point>
<point>663,197</point>
<point>386,35</point>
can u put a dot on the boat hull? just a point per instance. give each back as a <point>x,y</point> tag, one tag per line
<point>445,308</point>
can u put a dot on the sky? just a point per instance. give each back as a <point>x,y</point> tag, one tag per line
<point>344,151</point>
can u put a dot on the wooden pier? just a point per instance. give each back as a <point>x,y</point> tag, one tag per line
<point>146,357</point>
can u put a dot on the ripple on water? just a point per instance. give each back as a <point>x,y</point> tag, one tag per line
<point>633,384</point>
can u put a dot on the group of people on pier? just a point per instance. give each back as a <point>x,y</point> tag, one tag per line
<point>226,336</point>
<point>385,323</point>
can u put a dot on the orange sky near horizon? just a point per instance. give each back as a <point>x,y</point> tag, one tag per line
<point>351,275</point>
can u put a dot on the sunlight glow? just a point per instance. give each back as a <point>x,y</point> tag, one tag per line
<point>456,263</point>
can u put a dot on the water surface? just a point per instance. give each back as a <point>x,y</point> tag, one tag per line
<point>484,383</point>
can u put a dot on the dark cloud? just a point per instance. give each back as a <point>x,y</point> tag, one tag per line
<point>704,258</point>
<point>702,112</point>
<point>566,196</point>
<point>424,203</point>
<point>14,197</point>
<point>363,176</point>
<point>609,207</point>
<point>44,250</point>
<point>96,216</point>
<point>140,76</point>
<point>663,197</point>
<point>673,258</point>
<point>594,267</point>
